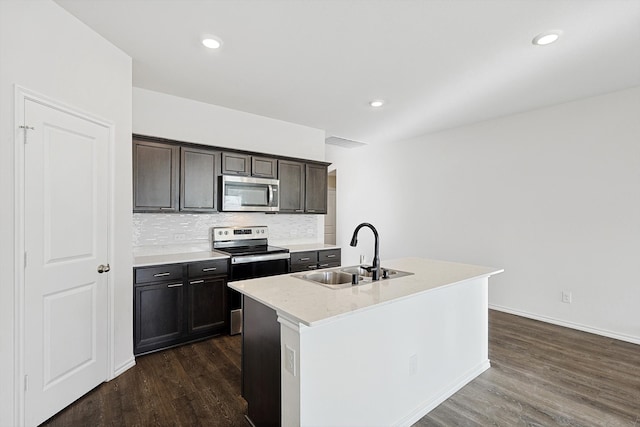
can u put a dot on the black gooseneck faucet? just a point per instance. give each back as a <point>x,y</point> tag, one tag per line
<point>375,268</point>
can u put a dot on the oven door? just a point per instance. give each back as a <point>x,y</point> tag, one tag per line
<point>241,193</point>
<point>251,267</point>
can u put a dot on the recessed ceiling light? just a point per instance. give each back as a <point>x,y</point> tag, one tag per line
<point>376,103</point>
<point>546,38</point>
<point>211,42</point>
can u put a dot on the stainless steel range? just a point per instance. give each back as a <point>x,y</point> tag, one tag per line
<point>251,256</point>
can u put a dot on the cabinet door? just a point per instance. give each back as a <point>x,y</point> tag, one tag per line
<point>316,189</point>
<point>236,164</point>
<point>158,316</point>
<point>155,177</point>
<point>264,167</point>
<point>198,179</point>
<point>206,306</point>
<point>291,176</point>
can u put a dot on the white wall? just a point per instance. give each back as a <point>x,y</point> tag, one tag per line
<point>172,117</point>
<point>552,196</point>
<point>45,49</point>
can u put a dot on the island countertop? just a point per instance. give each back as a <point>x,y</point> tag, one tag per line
<point>312,304</point>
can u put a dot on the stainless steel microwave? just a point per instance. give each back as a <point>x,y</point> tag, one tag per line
<point>243,193</point>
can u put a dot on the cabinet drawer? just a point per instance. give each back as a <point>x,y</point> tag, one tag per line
<point>207,268</point>
<point>329,256</point>
<point>158,273</point>
<point>310,257</point>
<point>328,264</point>
<point>299,268</point>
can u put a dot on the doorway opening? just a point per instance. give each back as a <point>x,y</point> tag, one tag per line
<point>330,218</point>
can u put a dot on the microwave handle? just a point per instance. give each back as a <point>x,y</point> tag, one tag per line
<point>270,200</point>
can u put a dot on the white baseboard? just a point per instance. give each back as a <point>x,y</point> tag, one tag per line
<point>577,326</point>
<point>431,404</point>
<point>124,367</point>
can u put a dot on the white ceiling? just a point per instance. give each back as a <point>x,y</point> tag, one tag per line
<point>437,63</point>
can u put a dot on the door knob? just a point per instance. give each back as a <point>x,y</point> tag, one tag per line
<point>104,268</point>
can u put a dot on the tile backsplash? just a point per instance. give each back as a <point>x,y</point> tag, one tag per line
<point>190,232</point>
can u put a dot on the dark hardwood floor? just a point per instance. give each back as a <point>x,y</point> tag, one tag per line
<point>540,375</point>
<point>192,385</point>
<point>547,375</point>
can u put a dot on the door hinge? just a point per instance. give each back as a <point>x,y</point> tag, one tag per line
<point>26,128</point>
<point>26,382</point>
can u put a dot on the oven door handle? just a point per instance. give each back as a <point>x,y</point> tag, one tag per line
<point>244,259</point>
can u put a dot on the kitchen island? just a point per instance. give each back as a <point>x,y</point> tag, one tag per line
<point>375,354</point>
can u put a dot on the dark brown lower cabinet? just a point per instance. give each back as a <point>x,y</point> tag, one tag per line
<point>261,363</point>
<point>159,316</point>
<point>207,306</point>
<point>178,303</point>
<point>313,260</point>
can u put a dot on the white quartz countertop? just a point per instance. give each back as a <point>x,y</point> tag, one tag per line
<point>312,304</point>
<point>147,260</point>
<point>164,255</point>
<point>309,247</point>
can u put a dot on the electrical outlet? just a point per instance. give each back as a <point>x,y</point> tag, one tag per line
<point>290,360</point>
<point>413,364</point>
<point>566,297</point>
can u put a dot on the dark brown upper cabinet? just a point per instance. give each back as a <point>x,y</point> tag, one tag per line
<point>248,165</point>
<point>315,200</point>
<point>291,175</point>
<point>198,179</point>
<point>264,167</point>
<point>173,176</point>
<point>303,187</point>
<point>155,176</point>
<point>236,164</point>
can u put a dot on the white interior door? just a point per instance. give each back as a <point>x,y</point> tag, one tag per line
<point>66,230</point>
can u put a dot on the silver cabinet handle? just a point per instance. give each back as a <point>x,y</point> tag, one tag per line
<point>210,269</point>
<point>299,210</point>
<point>331,256</point>
<point>195,282</point>
<point>161,274</point>
<point>311,210</point>
<point>303,259</point>
<point>312,267</point>
<point>324,265</point>
<point>174,285</point>
<point>104,268</point>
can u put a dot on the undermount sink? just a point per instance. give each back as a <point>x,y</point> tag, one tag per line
<point>343,277</point>
<point>390,274</point>
<point>329,277</point>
